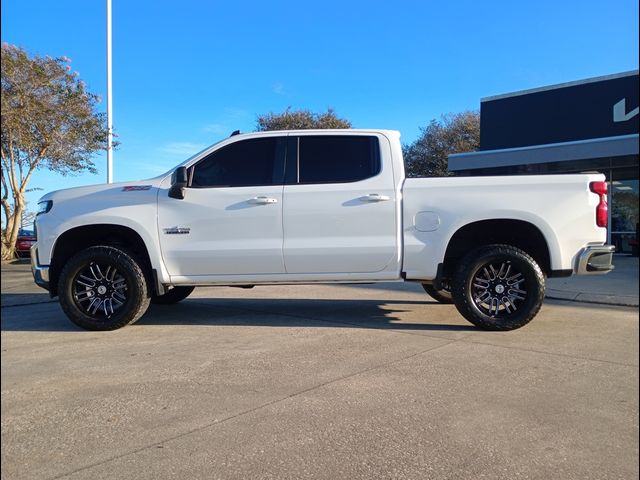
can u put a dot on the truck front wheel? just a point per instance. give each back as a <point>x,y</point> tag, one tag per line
<point>103,288</point>
<point>498,287</point>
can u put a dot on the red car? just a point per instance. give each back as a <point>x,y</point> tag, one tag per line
<point>26,238</point>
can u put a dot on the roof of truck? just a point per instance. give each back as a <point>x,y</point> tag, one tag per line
<point>324,131</point>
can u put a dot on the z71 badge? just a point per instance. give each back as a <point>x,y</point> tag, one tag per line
<point>135,188</point>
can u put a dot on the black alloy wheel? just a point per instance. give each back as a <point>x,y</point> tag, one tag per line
<point>100,290</point>
<point>103,288</point>
<point>498,287</point>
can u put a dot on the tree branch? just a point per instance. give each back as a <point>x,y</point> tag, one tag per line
<point>32,167</point>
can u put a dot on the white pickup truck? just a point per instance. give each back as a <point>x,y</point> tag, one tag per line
<point>317,206</point>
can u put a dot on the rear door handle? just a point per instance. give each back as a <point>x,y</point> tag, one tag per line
<point>375,197</point>
<point>263,200</point>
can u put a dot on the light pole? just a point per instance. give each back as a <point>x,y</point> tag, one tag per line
<point>109,100</point>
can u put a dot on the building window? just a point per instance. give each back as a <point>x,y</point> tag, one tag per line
<point>623,191</point>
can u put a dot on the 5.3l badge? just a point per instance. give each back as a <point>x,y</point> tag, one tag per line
<point>177,230</point>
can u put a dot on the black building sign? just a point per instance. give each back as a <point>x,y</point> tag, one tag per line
<point>606,107</point>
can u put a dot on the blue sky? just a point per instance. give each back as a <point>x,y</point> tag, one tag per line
<point>188,73</point>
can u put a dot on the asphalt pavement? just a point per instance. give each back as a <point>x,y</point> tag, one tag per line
<point>321,381</point>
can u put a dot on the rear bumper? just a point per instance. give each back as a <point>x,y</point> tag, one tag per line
<point>40,272</point>
<point>595,260</point>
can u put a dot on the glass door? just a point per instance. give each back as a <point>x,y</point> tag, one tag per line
<point>624,212</point>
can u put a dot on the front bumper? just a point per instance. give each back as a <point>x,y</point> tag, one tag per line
<point>40,272</point>
<point>595,260</point>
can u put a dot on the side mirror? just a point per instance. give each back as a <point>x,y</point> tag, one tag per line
<point>179,180</point>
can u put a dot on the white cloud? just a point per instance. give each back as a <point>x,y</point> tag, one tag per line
<point>184,149</point>
<point>154,168</point>
<point>231,119</point>
<point>234,113</point>
<point>217,128</point>
<point>278,88</point>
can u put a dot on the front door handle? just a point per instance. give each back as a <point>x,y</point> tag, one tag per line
<point>375,197</point>
<point>263,200</point>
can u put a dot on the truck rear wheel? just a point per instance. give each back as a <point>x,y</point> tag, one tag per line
<point>175,295</point>
<point>103,288</point>
<point>498,287</point>
<point>440,295</point>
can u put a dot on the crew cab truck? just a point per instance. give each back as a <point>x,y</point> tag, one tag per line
<point>317,206</point>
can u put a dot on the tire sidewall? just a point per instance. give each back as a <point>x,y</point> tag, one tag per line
<point>534,286</point>
<point>127,267</point>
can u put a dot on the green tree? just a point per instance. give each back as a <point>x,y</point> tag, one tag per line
<point>453,133</point>
<point>300,120</point>
<point>49,120</point>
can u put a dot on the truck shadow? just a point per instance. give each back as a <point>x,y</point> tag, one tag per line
<point>382,314</point>
<point>25,299</point>
<point>260,312</point>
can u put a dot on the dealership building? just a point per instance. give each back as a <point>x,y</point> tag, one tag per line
<point>584,126</point>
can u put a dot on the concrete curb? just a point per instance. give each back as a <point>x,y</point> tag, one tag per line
<point>595,299</point>
<point>591,297</point>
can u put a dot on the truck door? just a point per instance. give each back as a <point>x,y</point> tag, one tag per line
<point>230,221</point>
<point>339,205</point>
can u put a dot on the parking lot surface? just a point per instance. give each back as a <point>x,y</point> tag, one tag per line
<point>373,381</point>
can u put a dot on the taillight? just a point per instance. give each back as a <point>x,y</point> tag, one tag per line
<point>602,210</point>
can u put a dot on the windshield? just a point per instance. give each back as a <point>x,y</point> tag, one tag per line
<point>195,155</point>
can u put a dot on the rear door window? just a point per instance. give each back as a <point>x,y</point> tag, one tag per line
<point>337,158</point>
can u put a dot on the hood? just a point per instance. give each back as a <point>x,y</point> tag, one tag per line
<point>105,188</point>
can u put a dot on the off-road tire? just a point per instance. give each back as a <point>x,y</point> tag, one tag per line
<point>175,295</point>
<point>442,295</point>
<point>103,288</point>
<point>498,287</point>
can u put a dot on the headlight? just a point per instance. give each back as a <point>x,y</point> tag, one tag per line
<point>44,207</point>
